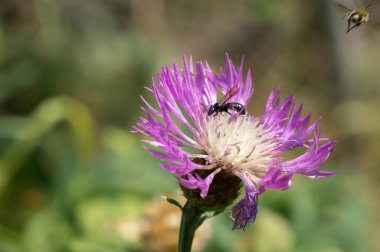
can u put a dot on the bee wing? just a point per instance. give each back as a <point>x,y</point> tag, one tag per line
<point>342,8</point>
<point>230,93</point>
<point>374,24</point>
<point>369,5</point>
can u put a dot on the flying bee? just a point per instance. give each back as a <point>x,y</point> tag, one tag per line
<point>224,106</point>
<point>356,17</point>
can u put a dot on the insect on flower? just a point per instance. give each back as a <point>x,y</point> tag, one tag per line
<point>212,157</point>
<point>357,17</point>
<point>223,106</point>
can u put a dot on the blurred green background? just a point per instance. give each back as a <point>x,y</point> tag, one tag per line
<point>73,177</point>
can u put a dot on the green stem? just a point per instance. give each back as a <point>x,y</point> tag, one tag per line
<point>192,218</point>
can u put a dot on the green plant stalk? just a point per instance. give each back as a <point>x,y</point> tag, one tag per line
<point>192,218</point>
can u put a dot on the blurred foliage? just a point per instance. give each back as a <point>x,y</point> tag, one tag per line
<point>73,177</point>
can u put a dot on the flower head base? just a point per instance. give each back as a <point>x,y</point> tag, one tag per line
<point>220,151</point>
<point>222,192</point>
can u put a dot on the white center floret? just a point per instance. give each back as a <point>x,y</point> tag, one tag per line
<point>239,144</point>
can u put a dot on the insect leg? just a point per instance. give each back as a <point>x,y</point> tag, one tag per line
<point>354,26</point>
<point>348,26</point>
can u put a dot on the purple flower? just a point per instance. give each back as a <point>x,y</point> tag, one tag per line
<point>196,147</point>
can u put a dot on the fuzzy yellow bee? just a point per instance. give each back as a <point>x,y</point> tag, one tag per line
<point>356,17</point>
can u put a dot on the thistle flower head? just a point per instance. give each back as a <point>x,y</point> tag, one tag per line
<point>213,155</point>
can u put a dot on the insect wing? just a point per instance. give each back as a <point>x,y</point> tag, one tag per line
<point>374,24</point>
<point>369,5</point>
<point>230,93</point>
<point>342,8</point>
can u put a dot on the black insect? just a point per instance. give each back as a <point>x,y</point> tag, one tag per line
<point>224,106</point>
